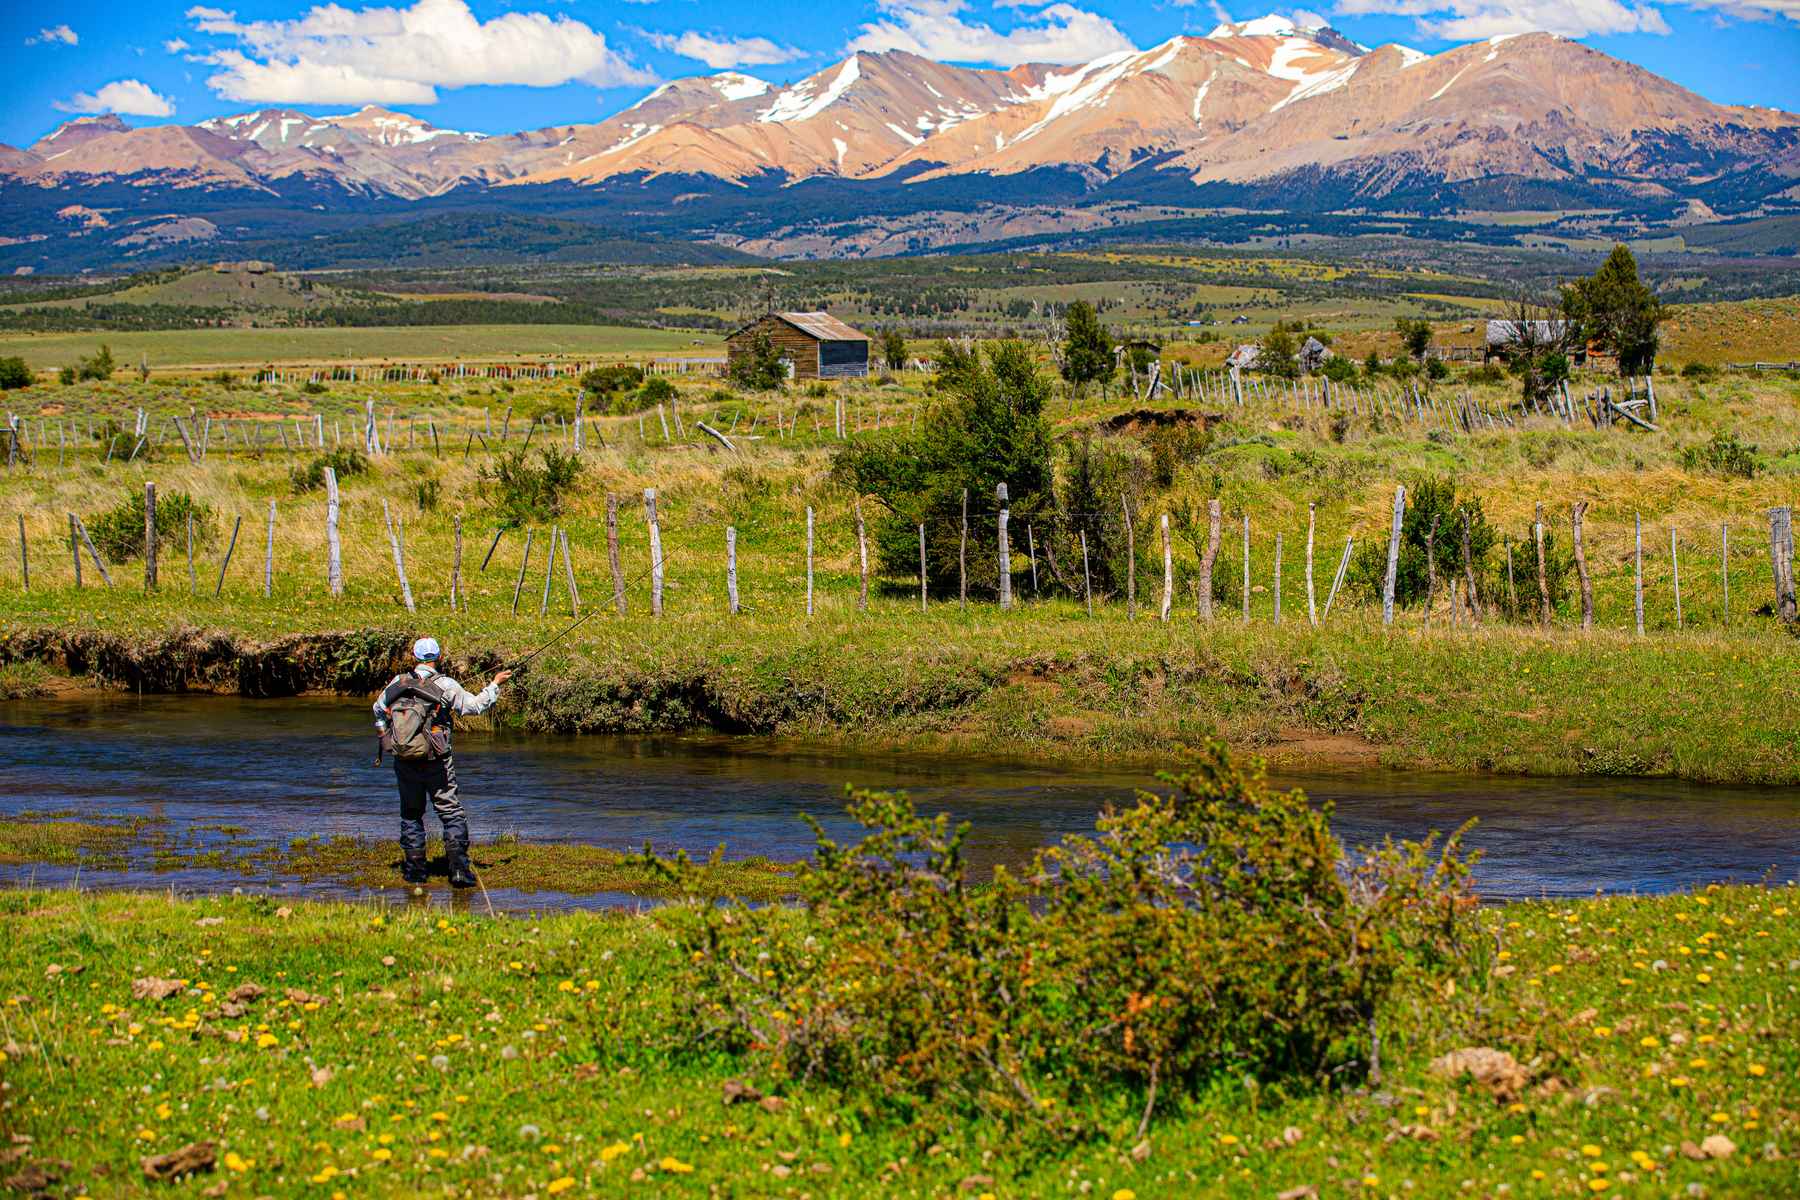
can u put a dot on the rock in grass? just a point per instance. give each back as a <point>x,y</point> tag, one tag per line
<point>1496,1070</point>
<point>189,1160</point>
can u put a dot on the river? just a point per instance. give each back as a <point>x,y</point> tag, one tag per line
<point>282,768</point>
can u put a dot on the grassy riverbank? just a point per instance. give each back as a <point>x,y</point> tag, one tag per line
<point>327,1050</point>
<point>1707,693</point>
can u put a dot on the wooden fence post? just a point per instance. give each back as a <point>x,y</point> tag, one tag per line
<point>1213,517</point>
<point>225,563</point>
<point>1725,573</point>
<point>1130,561</point>
<point>1312,607</point>
<point>492,546</point>
<point>24,557</point>
<point>524,561</point>
<point>962,555</point>
<point>656,553</point>
<point>1031,554</point>
<point>1005,550</point>
<point>1278,579</point>
<point>809,560</point>
<point>549,573</point>
<point>269,556</point>
<point>612,553</point>
<point>1246,568</point>
<point>862,560</point>
<point>334,557</point>
<point>731,591</point>
<point>921,567</point>
<point>456,564</point>
<point>1393,558</point>
<point>1087,582</point>
<point>74,548</point>
<point>1781,560</point>
<point>1675,570</point>
<point>149,537</point>
<point>1637,568</point>
<point>1337,580</point>
<point>393,544</point>
<point>1469,573</point>
<point>1576,516</point>
<point>1543,579</point>
<point>1168,591</point>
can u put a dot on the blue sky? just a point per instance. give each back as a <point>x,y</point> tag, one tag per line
<point>497,67</point>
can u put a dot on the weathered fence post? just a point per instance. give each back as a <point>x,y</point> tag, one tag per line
<point>809,560</point>
<point>1469,573</point>
<point>1543,579</point>
<point>1087,581</point>
<point>1637,569</point>
<point>334,561</point>
<point>1675,570</point>
<point>393,544</point>
<point>549,573</point>
<point>1393,559</point>
<point>962,556</point>
<point>862,560</point>
<point>1130,562</point>
<point>74,547</point>
<point>1005,558</point>
<point>1213,518</point>
<point>225,563</point>
<point>24,557</point>
<point>731,594</point>
<point>519,583</point>
<point>612,553</point>
<point>1725,573</point>
<point>656,553</point>
<point>1168,591</point>
<point>149,537</point>
<point>569,576</point>
<point>193,580</point>
<point>269,556</point>
<point>456,563</point>
<point>1312,607</point>
<point>1781,559</point>
<point>1576,516</point>
<point>1246,568</point>
<point>921,567</point>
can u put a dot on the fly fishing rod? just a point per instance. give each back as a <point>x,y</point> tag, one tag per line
<point>578,622</point>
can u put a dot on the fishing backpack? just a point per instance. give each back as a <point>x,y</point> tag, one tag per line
<point>414,729</point>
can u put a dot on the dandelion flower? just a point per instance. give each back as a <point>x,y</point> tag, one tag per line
<point>1757,1069</point>
<point>608,1153</point>
<point>560,1185</point>
<point>1124,1194</point>
<point>675,1166</point>
<point>1590,1151</point>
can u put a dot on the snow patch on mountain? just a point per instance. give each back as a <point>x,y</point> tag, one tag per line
<point>798,103</point>
<point>735,86</point>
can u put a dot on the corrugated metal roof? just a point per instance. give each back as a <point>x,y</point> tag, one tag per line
<point>823,326</point>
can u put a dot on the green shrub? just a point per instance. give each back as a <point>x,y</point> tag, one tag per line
<point>313,387</point>
<point>1437,368</point>
<point>762,369</point>
<point>100,366</point>
<point>1722,455</point>
<point>523,491</point>
<point>1339,369</point>
<point>1485,373</point>
<point>14,373</point>
<point>65,375</point>
<point>345,463</point>
<point>1698,371</point>
<point>1429,501</point>
<point>118,533</point>
<point>1215,931</point>
<point>620,377</point>
<point>428,492</point>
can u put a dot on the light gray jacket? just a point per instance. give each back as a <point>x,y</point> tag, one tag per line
<point>461,700</point>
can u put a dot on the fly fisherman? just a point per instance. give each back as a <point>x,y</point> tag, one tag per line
<point>415,714</point>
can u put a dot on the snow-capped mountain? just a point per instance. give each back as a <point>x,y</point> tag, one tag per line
<point>1251,111</point>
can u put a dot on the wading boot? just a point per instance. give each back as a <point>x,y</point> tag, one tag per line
<point>460,874</point>
<point>412,866</point>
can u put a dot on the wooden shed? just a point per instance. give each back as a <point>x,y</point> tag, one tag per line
<point>817,344</point>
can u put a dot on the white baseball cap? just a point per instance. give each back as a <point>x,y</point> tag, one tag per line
<point>426,649</point>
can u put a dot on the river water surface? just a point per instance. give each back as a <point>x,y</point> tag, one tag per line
<point>283,768</point>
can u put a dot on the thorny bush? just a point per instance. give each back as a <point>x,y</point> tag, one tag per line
<point>1214,929</point>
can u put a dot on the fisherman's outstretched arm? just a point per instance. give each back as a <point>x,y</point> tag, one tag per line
<point>472,704</point>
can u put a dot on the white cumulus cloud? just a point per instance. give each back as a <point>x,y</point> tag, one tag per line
<point>176,46</point>
<point>1466,19</point>
<point>1054,33</point>
<point>56,35</point>
<point>128,96</point>
<point>722,52</point>
<point>332,54</point>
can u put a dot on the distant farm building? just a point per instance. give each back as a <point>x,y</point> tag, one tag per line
<point>1244,357</point>
<point>1312,356</point>
<point>815,344</point>
<point>1503,336</point>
